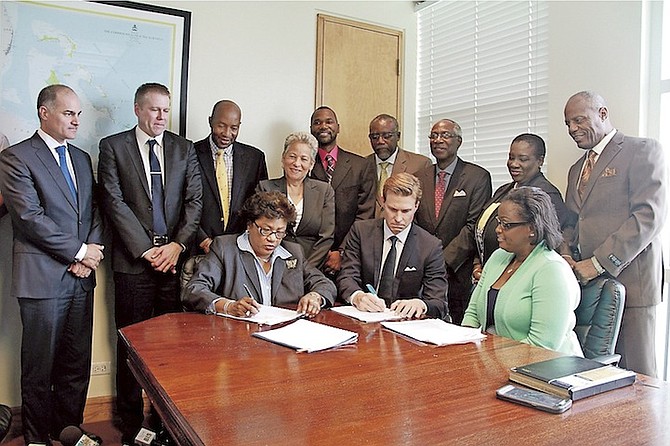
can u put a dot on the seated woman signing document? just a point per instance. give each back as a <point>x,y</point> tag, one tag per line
<point>258,267</point>
<point>527,291</point>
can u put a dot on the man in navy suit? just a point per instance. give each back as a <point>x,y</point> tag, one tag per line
<point>244,167</point>
<point>401,261</point>
<point>48,187</point>
<point>350,176</point>
<point>152,196</point>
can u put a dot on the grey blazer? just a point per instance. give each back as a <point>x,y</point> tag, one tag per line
<point>315,230</point>
<point>49,227</point>
<point>225,271</point>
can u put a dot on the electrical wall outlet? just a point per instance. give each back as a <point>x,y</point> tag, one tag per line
<point>101,368</point>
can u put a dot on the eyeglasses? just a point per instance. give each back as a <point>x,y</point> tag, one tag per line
<point>267,232</point>
<point>444,135</point>
<point>507,225</point>
<point>384,135</point>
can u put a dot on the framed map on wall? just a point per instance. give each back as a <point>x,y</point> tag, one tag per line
<point>102,50</point>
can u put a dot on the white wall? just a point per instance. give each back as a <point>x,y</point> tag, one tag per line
<point>262,55</point>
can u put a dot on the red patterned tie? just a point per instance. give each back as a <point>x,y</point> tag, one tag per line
<point>330,167</point>
<point>440,187</point>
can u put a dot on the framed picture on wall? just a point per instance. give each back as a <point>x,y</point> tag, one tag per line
<point>102,50</point>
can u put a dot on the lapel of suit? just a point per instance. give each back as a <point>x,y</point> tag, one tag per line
<point>310,208</point>
<point>135,156</point>
<point>240,169</point>
<point>318,172</point>
<point>45,155</point>
<point>377,250</point>
<point>170,172</point>
<point>407,254</point>
<point>454,181</point>
<point>208,170</point>
<point>81,172</point>
<point>427,178</point>
<point>400,164</point>
<point>249,264</point>
<point>609,152</point>
<point>342,168</point>
<point>277,274</point>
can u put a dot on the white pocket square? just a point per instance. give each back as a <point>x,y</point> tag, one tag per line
<point>410,268</point>
<point>459,193</point>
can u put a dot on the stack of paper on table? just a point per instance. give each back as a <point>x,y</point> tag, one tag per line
<point>435,331</point>
<point>572,377</point>
<point>268,315</point>
<point>308,336</point>
<point>366,316</point>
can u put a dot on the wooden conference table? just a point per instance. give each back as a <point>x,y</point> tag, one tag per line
<point>214,384</point>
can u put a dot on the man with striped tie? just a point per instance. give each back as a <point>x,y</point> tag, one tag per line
<point>152,195</point>
<point>351,177</point>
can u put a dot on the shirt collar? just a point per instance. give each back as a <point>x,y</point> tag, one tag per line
<point>142,137</point>
<point>49,140</point>
<point>450,168</point>
<point>333,153</point>
<point>598,148</point>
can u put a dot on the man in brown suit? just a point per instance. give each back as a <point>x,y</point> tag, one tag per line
<point>619,190</point>
<point>387,158</point>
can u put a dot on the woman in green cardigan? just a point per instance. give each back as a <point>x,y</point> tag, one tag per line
<point>527,291</point>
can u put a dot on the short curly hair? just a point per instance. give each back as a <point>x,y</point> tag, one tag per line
<point>271,205</point>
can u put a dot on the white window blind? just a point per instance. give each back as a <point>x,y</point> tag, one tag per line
<point>483,64</point>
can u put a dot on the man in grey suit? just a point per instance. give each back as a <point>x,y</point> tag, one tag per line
<point>244,168</point>
<point>152,197</point>
<point>387,158</point>
<point>350,176</point>
<point>455,192</point>
<point>48,187</point>
<point>395,256</point>
<point>619,191</point>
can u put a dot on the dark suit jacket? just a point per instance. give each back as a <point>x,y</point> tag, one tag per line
<point>249,169</point>
<point>469,189</point>
<point>621,215</point>
<point>420,273</point>
<point>127,201</point>
<point>352,182</point>
<point>405,162</point>
<point>315,231</point>
<point>225,270</point>
<point>49,228</point>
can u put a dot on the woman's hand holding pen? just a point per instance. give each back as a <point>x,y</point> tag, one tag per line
<point>310,304</point>
<point>243,307</point>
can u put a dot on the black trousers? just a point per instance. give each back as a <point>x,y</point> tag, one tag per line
<point>55,363</point>
<point>138,297</point>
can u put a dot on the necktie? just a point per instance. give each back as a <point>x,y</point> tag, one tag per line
<point>385,289</point>
<point>383,176</point>
<point>440,188</point>
<point>160,226</point>
<point>222,183</point>
<point>330,167</point>
<point>62,160</point>
<point>586,172</point>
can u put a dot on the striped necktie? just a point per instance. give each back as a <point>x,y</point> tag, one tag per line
<point>157,203</point>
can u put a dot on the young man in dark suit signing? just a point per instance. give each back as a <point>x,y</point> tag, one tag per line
<point>391,262</point>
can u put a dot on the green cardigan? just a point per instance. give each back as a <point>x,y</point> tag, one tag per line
<point>536,305</point>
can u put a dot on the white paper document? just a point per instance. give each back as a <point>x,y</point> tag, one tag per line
<point>308,336</point>
<point>435,331</point>
<point>268,315</point>
<point>366,316</point>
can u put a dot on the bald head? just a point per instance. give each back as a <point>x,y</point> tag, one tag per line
<point>225,123</point>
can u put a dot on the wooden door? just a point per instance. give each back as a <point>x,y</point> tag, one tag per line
<point>359,75</point>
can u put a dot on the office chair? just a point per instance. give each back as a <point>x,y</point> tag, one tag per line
<point>599,318</point>
<point>187,271</point>
<point>5,420</point>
